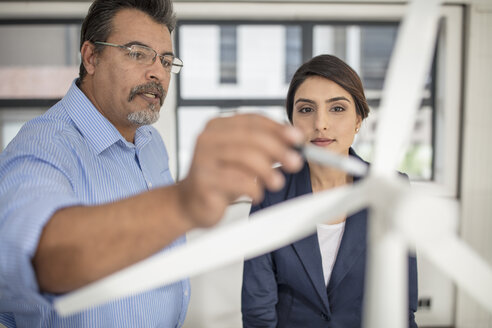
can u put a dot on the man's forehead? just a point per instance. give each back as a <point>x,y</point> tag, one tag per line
<point>134,25</point>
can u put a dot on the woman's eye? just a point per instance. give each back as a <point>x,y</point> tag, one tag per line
<point>305,110</point>
<point>337,109</point>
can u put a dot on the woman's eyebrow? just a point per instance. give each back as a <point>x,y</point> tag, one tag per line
<point>304,100</point>
<point>337,99</point>
<point>327,101</point>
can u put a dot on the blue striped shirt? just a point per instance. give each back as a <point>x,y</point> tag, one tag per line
<point>69,156</point>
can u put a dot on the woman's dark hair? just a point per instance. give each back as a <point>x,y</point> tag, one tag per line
<point>334,69</point>
<point>97,25</point>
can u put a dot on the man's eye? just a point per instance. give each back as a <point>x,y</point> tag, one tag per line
<point>137,55</point>
<point>166,62</point>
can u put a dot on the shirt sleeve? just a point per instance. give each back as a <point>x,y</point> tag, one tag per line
<point>34,184</point>
<point>7,320</point>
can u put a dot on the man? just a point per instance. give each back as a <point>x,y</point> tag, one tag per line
<point>85,189</point>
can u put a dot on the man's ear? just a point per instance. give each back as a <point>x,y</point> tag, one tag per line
<point>89,56</point>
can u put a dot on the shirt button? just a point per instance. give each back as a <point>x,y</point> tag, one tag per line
<point>149,184</point>
<point>325,317</point>
<point>186,293</point>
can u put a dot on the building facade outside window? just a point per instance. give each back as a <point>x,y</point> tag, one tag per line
<point>228,54</point>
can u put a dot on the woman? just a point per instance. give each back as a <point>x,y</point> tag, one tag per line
<point>319,280</point>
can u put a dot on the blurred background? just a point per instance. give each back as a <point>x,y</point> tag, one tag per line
<point>239,56</point>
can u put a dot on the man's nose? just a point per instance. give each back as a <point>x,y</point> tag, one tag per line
<point>157,72</point>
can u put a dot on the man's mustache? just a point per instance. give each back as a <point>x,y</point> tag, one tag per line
<point>151,87</point>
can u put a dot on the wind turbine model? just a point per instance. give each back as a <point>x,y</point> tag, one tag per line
<point>399,218</point>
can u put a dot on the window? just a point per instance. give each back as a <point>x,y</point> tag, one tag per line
<point>38,61</point>
<point>293,51</point>
<point>363,35</point>
<point>259,86</point>
<point>12,118</point>
<point>265,69</point>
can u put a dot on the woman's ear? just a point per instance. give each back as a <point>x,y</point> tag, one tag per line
<point>358,123</point>
<point>89,57</point>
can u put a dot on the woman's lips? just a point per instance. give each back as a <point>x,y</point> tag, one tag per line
<point>322,142</point>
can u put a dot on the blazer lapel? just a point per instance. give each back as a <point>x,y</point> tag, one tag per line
<point>307,250</point>
<point>353,242</point>
<point>352,246</point>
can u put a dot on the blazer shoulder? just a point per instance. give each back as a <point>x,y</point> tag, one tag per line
<point>296,184</point>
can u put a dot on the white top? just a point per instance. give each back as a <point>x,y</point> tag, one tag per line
<point>329,238</point>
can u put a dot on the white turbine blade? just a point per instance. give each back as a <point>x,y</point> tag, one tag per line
<point>404,84</point>
<point>457,260</point>
<point>221,246</point>
<point>405,80</point>
<point>386,290</point>
<point>430,224</point>
<point>386,280</point>
<point>322,156</point>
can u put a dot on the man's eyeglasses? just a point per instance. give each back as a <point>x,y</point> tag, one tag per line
<point>146,56</point>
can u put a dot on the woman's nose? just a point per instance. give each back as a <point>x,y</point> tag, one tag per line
<point>321,122</point>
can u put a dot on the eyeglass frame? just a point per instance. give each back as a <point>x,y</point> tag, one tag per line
<point>175,66</point>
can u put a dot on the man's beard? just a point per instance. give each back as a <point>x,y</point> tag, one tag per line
<point>146,116</point>
<point>150,114</point>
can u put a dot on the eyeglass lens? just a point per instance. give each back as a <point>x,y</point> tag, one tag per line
<point>146,55</point>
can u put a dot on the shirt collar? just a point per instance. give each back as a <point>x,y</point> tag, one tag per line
<point>96,129</point>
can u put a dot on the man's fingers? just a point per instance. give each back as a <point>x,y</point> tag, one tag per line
<point>252,161</point>
<point>236,182</point>
<point>272,141</point>
<point>234,156</point>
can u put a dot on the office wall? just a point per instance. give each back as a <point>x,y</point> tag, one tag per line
<point>476,176</point>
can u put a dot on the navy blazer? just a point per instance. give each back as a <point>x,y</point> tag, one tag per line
<point>286,288</point>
